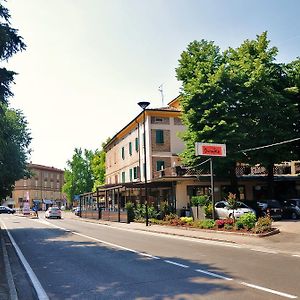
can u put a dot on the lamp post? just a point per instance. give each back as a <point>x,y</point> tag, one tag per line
<point>144,105</point>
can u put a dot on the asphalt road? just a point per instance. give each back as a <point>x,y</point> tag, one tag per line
<point>79,260</point>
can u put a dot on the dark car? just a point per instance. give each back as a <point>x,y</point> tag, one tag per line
<point>291,209</point>
<point>6,210</point>
<point>271,207</point>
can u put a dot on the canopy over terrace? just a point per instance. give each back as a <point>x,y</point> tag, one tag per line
<point>113,197</point>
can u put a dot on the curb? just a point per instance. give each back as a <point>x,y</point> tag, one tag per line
<point>13,295</point>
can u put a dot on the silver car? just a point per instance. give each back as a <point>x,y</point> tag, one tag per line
<point>223,211</point>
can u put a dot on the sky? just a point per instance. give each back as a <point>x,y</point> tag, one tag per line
<point>89,62</point>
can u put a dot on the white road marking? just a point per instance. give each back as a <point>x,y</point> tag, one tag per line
<point>269,290</point>
<point>296,255</point>
<point>176,264</point>
<point>181,265</point>
<point>37,285</point>
<point>264,250</point>
<point>213,274</point>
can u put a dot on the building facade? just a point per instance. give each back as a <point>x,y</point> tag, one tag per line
<point>43,188</point>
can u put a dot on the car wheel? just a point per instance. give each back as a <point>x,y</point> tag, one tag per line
<point>294,216</point>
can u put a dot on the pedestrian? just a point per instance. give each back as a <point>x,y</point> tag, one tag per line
<point>35,209</point>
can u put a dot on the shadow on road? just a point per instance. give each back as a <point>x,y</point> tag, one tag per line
<point>72,267</point>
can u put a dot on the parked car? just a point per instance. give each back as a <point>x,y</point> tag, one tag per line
<point>6,210</point>
<point>270,207</point>
<point>291,208</point>
<point>53,212</point>
<point>223,211</point>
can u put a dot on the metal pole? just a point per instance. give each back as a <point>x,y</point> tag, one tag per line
<point>212,188</point>
<point>145,173</point>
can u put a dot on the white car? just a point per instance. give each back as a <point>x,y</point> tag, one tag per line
<point>53,212</point>
<point>223,211</point>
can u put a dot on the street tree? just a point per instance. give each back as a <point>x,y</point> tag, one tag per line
<point>78,175</point>
<point>14,133</point>
<point>98,166</point>
<point>240,97</point>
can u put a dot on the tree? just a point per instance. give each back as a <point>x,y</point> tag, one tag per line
<point>78,176</point>
<point>241,98</point>
<point>14,133</point>
<point>98,167</point>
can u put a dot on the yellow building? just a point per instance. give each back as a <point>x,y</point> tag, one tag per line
<point>43,188</point>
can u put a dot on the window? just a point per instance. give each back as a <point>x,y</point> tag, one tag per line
<point>160,165</point>
<point>159,136</point>
<point>135,172</point>
<point>36,183</point>
<point>137,144</point>
<point>130,175</point>
<point>123,153</point>
<point>123,177</point>
<point>130,148</point>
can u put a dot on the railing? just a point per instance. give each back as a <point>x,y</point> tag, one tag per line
<point>240,171</point>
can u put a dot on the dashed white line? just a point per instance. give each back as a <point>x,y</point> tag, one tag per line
<point>265,251</point>
<point>185,266</point>
<point>296,255</point>
<point>269,290</point>
<point>213,274</point>
<point>176,264</point>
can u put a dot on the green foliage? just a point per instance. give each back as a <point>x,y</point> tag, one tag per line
<point>98,166</point>
<point>247,220</point>
<point>165,209</point>
<point>78,176</point>
<point>188,220</point>
<point>263,224</point>
<point>130,211</point>
<point>140,212</point>
<point>206,224</point>
<point>14,133</point>
<point>201,200</point>
<point>240,97</point>
<point>208,210</point>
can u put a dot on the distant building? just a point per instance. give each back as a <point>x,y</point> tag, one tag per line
<point>44,188</point>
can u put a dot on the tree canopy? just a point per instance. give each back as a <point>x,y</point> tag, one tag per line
<point>242,98</point>
<point>14,133</point>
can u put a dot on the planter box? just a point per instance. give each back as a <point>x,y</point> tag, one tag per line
<point>198,212</point>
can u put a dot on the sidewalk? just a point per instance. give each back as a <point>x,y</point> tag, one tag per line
<point>287,241</point>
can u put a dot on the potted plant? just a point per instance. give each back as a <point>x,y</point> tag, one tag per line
<point>198,204</point>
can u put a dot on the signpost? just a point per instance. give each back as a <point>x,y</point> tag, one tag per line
<point>212,150</point>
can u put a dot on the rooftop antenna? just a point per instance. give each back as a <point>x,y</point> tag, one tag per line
<point>161,89</point>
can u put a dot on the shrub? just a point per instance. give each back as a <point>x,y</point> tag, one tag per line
<point>220,223</point>
<point>263,224</point>
<point>140,212</point>
<point>208,210</point>
<point>228,226</point>
<point>228,221</point>
<point>169,217</point>
<point>165,209</point>
<point>156,221</point>
<point>188,220</point>
<point>239,225</point>
<point>247,220</point>
<point>206,224</point>
<point>201,200</point>
<point>130,211</point>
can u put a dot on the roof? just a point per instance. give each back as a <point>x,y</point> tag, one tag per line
<point>133,123</point>
<point>41,167</point>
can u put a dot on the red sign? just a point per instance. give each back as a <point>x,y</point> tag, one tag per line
<point>207,149</point>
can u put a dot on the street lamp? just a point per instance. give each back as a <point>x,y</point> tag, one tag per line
<point>144,105</point>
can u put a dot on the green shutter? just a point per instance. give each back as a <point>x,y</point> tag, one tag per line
<point>130,148</point>
<point>159,136</point>
<point>123,153</point>
<point>136,144</point>
<point>123,177</point>
<point>130,175</point>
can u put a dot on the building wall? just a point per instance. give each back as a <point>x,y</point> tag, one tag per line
<point>45,183</point>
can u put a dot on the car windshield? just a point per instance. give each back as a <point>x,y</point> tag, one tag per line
<point>241,205</point>
<point>273,203</point>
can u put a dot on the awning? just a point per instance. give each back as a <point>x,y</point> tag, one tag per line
<point>47,201</point>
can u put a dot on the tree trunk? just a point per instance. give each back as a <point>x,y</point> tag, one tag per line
<point>270,180</point>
